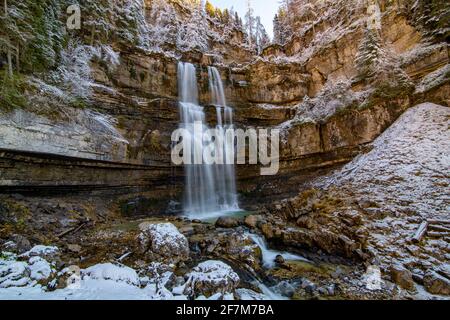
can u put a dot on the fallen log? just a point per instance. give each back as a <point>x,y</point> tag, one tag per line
<point>434,234</point>
<point>438,221</point>
<point>72,230</point>
<point>420,232</point>
<point>439,228</point>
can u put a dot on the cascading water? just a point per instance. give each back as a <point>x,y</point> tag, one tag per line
<point>210,188</point>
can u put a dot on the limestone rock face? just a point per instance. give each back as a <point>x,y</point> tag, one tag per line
<point>370,208</point>
<point>164,242</point>
<point>211,277</point>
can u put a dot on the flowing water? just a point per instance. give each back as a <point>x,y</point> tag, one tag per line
<point>210,189</point>
<point>269,255</point>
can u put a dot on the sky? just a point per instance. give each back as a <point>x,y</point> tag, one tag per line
<point>266,9</point>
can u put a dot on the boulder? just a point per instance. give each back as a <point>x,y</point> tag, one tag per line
<point>18,243</point>
<point>211,277</point>
<point>164,242</point>
<point>227,222</point>
<point>109,271</point>
<point>45,252</point>
<point>14,274</point>
<point>252,221</point>
<point>436,284</point>
<point>402,276</point>
<point>279,259</point>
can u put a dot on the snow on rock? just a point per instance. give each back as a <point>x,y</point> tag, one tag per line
<point>109,271</point>
<point>40,269</point>
<point>372,278</point>
<point>209,278</point>
<point>408,164</point>
<point>41,251</point>
<point>402,181</point>
<point>164,241</point>
<point>14,274</point>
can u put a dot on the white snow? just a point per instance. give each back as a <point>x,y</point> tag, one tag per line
<point>372,278</point>
<point>41,251</point>
<point>109,271</point>
<point>40,269</point>
<point>164,239</point>
<point>211,275</point>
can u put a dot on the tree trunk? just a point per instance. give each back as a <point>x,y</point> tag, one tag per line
<point>9,54</point>
<point>18,59</point>
<point>10,66</point>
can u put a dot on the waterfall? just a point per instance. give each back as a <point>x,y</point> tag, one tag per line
<point>210,188</point>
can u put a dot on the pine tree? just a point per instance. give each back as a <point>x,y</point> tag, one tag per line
<point>261,36</point>
<point>250,24</point>
<point>210,10</point>
<point>371,54</point>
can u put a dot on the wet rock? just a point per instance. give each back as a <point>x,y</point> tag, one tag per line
<point>279,259</point>
<point>331,290</point>
<point>402,276</point>
<point>267,231</point>
<point>308,286</point>
<point>248,295</point>
<point>285,288</point>
<point>211,277</point>
<point>227,222</point>
<point>436,284</point>
<point>163,242</point>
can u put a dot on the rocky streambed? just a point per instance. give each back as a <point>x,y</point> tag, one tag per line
<point>177,258</point>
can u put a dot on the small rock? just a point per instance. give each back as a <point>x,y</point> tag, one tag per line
<point>74,248</point>
<point>21,244</point>
<point>322,291</point>
<point>436,284</point>
<point>402,276</point>
<point>372,278</point>
<point>227,222</point>
<point>331,290</point>
<point>279,259</point>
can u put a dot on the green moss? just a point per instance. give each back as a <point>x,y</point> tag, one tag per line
<point>11,91</point>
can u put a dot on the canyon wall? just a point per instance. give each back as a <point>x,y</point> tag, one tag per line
<point>121,141</point>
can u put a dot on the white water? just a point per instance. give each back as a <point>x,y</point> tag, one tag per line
<point>210,189</point>
<point>269,255</point>
<point>269,293</point>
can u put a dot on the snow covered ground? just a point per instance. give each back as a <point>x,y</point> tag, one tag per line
<point>401,182</point>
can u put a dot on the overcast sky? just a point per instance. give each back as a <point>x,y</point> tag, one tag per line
<point>266,9</point>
